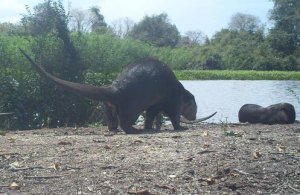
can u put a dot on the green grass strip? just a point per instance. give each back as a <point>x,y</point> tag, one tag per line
<point>236,75</point>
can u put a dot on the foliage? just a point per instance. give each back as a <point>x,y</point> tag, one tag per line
<point>51,44</point>
<point>50,20</point>
<point>106,53</point>
<point>8,28</point>
<point>47,17</point>
<point>17,86</point>
<point>97,20</point>
<point>156,30</point>
<point>285,35</point>
<point>36,102</point>
<point>244,22</point>
<point>122,27</point>
<point>84,21</point>
<point>246,51</point>
<point>227,50</point>
<point>192,38</point>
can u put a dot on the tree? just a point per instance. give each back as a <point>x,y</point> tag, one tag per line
<point>122,27</point>
<point>243,50</point>
<point>50,18</point>
<point>97,20</point>
<point>193,38</point>
<point>244,22</point>
<point>285,35</point>
<point>80,21</point>
<point>52,46</point>
<point>8,28</point>
<point>213,62</point>
<point>90,20</point>
<point>156,30</point>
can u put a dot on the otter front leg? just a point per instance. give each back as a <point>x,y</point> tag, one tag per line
<point>126,121</point>
<point>175,119</point>
<point>173,112</point>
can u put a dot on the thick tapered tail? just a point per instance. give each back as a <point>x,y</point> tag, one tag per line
<point>89,91</point>
<point>197,120</point>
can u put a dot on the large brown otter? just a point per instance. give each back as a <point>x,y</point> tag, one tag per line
<point>146,85</point>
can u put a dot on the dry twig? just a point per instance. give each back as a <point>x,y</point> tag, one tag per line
<point>43,177</point>
<point>242,172</point>
<point>26,168</point>
<point>140,192</point>
<point>169,187</point>
<point>296,190</point>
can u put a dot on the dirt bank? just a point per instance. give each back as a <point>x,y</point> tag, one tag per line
<point>205,159</point>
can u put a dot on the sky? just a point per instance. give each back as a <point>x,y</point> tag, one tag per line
<point>207,16</point>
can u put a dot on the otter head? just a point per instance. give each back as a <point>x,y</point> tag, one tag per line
<point>282,113</point>
<point>188,106</point>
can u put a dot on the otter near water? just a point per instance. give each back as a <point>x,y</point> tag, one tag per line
<point>282,113</point>
<point>147,85</point>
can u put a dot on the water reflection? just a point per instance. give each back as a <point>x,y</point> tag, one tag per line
<point>227,96</point>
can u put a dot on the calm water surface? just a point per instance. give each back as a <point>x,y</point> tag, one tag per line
<point>227,96</point>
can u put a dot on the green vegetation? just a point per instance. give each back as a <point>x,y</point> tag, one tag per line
<point>87,50</point>
<point>236,75</point>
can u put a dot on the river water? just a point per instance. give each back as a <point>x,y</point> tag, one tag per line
<point>227,96</point>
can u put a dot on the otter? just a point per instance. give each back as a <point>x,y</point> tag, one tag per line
<point>147,85</point>
<point>282,113</point>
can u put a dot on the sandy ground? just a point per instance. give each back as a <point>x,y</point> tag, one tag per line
<point>205,159</point>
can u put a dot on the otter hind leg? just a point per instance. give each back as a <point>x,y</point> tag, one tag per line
<point>153,113</point>
<point>111,116</point>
